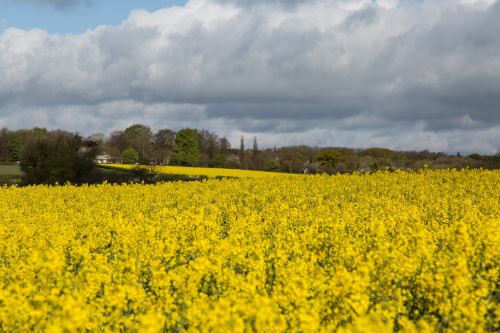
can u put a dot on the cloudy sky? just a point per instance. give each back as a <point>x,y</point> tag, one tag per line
<point>402,74</point>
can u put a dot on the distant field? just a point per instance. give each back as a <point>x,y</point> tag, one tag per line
<point>10,174</point>
<point>10,170</point>
<point>209,172</point>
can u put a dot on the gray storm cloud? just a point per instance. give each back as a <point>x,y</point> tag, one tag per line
<point>405,75</point>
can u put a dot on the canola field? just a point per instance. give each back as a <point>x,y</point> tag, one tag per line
<point>404,252</point>
<point>197,171</point>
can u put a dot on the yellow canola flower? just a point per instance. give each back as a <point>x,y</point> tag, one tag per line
<point>200,171</point>
<point>404,252</point>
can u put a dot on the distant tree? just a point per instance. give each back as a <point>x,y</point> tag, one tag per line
<point>208,143</point>
<point>56,157</point>
<point>255,150</point>
<point>232,161</point>
<point>98,138</point>
<point>113,151</point>
<point>273,165</point>
<point>18,139</point>
<point>224,146</point>
<point>204,161</point>
<point>130,156</point>
<point>383,158</point>
<point>242,145</point>
<point>218,161</point>
<point>187,149</point>
<point>330,158</point>
<point>220,158</point>
<point>242,156</point>
<point>299,161</point>
<point>90,143</point>
<point>293,159</point>
<point>140,137</point>
<point>476,157</point>
<point>117,139</point>
<point>347,161</point>
<point>378,153</point>
<point>4,145</point>
<point>256,163</point>
<point>163,144</point>
<point>206,148</point>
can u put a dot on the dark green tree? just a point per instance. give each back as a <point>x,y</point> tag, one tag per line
<point>98,138</point>
<point>56,157</point>
<point>130,156</point>
<point>330,158</point>
<point>273,165</point>
<point>187,149</point>
<point>218,161</point>
<point>242,154</point>
<point>208,142</point>
<point>256,160</point>
<point>140,137</point>
<point>18,139</point>
<point>5,155</point>
<point>163,144</point>
<point>224,146</point>
<point>117,140</point>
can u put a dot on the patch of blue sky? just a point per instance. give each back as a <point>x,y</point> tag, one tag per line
<point>73,19</point>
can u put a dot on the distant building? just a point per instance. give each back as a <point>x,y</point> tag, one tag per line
<point>107,159</point>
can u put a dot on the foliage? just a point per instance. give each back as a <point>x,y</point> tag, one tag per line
<point>330,158</point>
<point>224,146</point>
<point>10,170</point>
<point>208,143</point>
<point>17,139</point>
<point>117,139</point>
<point>139,137</point>
<point>163,144</point>
<point>10,174</point>
<point>408,252</point>
<point>218,161</point>
<point>55,158</point>
<point>158,148</point>
<point>4,145</point>
<point>214,151</point>
<point>273,165</point>
<point>130,156</point>
<point>187,149</point>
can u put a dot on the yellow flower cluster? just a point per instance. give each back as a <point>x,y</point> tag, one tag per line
<point>408,252</point>
<point>196,171</point>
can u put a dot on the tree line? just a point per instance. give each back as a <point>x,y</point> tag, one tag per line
<point>49,156</point>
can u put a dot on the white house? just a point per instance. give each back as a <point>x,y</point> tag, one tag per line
<point>106,159</point>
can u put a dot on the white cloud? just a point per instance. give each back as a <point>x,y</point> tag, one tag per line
<point>477,2</point>
<point>389,4</point>
<point>354,73</point>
